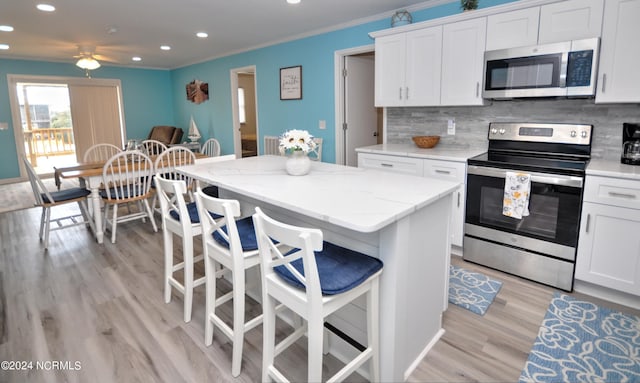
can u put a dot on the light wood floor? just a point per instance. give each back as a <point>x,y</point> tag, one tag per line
<point>102,306</point>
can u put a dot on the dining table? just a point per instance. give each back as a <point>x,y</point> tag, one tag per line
<point>401,219</point>
<point>90,175</point>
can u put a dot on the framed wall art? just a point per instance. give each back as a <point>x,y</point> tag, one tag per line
<point>291,83</point>
<point>197,91</point>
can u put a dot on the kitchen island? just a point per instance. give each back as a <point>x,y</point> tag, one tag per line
<point>401,219</point>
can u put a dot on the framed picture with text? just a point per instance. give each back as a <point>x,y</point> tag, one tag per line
<point>291,83</point>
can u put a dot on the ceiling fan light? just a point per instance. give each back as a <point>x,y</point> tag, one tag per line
<point>88,63</point>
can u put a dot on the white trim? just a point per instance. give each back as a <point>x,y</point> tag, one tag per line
<point>464,16</point>
<point>338,88</point>
<point>424,353</point>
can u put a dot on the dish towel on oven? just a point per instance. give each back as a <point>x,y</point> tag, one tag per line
<point>517,187</point>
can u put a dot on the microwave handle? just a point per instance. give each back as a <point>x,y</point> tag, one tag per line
<point>552,179</point>
<point>563,69</point>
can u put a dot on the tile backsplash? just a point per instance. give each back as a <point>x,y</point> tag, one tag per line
<point>472,122</point>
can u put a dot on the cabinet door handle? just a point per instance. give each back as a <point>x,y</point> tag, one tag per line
<point>406,93</point>
<point>622,195</point>
<point>400,92</point>
<point>458,199</point>
<point>586,229</point>
<point>387,165</point>
<point>477,89</point>
<point>604,82</point>
<point>443,171</point>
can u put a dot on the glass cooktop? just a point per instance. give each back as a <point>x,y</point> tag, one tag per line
<point>532,163</point>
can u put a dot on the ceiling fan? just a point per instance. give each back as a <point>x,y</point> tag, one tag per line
<point>87,59</point>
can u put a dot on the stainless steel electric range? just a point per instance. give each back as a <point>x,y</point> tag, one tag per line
<point>542,245</point>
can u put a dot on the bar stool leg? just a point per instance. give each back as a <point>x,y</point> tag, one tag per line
<point>168,263</point>
<point>187,255</point>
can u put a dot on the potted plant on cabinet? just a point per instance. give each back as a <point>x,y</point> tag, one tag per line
<point>468,5</point>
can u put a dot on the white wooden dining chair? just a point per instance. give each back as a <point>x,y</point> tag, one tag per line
<point>127,178</point>
<point>48,200</point>
<point>211,148</point>
<point>100,152</point>
<point>181,219</point>
<point>166,164</point>
<point>313,280</point>
<point>152,147</point>
<point>231,244</point>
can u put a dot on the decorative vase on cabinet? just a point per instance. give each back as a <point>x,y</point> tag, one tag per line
<point>298,163</point>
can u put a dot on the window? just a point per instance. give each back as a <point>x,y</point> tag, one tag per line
<point>242,116</point>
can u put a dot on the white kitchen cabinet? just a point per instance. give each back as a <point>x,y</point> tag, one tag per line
<point>618,76</point>
<point>407,68</point>
<point>445,170</point>
<point>570,20</point>
<point>609,244</point>
<point>550,23</point>
<point>398,164</point>
<point>513,29</point>
<point>451,171</point>
<point>463,45</point>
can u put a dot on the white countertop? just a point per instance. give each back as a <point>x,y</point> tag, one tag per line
<point>363,200</point>
<point>607,168</point>
<point>439,152</point>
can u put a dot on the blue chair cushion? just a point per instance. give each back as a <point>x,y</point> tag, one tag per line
<point>211,191</point>
<point>339,269</point>
<point>66,195</point>
<point>245,231</point>
<point>193,213</point>
<point>122,193</point>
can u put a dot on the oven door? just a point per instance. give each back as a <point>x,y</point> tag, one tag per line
<point>550,228</point>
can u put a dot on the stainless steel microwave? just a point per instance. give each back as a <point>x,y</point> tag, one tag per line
<point>566,69</point>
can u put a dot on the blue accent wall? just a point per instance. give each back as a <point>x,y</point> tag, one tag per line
<point>156,97</point>
<point>146,96</point>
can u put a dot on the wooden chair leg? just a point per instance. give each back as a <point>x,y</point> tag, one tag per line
<point>47,228</point>
<point>238,321</point>
<point>167,237</point>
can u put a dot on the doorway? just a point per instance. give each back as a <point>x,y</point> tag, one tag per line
<point>57,118</point>
<point>244,109</point>
<point>358,122</point>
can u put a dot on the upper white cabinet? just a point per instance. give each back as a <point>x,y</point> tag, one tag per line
<point>463,45</point>
<point>513,29</point>
<point>562,21</point>
<point>570,20</point>
<point>619,76</point>
<point>407,69</point>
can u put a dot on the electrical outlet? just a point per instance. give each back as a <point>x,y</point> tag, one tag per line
<point>322,124</point>
<point>4,126</point>
<point>451,127</point>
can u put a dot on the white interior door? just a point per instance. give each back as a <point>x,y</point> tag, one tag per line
<point>360,112</point>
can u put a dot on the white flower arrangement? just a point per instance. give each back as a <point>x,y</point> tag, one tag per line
<point>296,140</point>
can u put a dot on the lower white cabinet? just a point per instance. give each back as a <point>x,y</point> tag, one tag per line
<point>609,245</point>
<point>446,170</point>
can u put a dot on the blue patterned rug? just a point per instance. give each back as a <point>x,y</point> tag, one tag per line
<point>471,290</point>
<point>581,342</point>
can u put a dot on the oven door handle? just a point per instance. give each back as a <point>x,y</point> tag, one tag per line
<point>543,178</point>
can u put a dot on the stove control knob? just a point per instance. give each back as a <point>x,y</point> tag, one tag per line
<point>584,134</point>
<point>503,131</point>
<point>494,131</point>
<point>573,133</point>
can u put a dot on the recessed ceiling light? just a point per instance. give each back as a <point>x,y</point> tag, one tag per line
<point>46,7</point>
<point>293,1</point>
<point>202,35</point>
<point>136,58</point>
<point>4,46</point>
<point>165,47</point>
<point>6,28</point>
